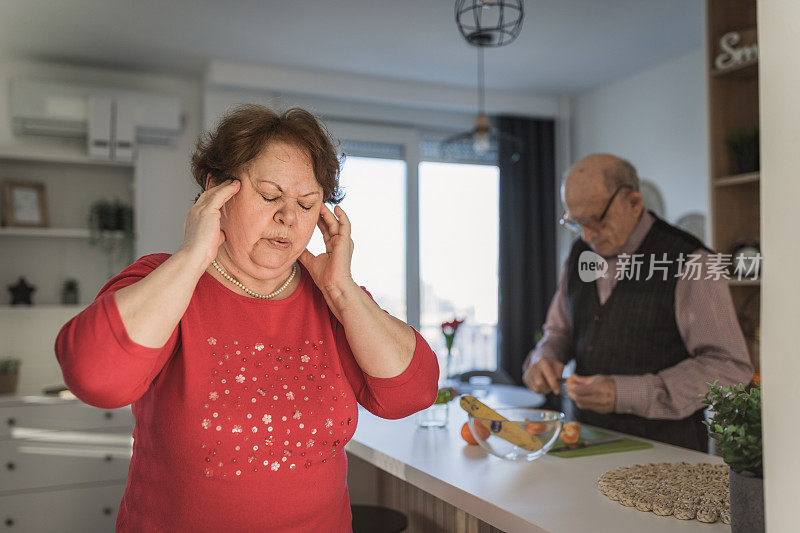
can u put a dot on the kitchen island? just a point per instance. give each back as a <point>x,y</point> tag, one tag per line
<point>466,486</point>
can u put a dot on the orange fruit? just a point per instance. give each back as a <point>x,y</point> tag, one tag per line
<point>536,428</point>
<point>483,431</point>
<point>467,435</point>
<point>570,433</point>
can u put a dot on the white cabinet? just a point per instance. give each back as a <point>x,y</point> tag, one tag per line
<point>33,464</point>
<point>64,464</point>
<point>100,121</point>
<point>111,130</point>
<point>76,510</point>
<point>18,419</point>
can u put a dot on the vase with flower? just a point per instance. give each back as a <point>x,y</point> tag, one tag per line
<point>449,329</point>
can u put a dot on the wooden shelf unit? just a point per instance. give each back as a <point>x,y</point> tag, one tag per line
<point>735,194</point>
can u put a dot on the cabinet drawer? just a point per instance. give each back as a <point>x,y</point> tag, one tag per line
<point>73,415</point>
<point>28,464</point>
<point>84,510</point>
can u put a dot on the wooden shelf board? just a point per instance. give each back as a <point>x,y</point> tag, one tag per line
<point>74,233</point>
<point>744,282</point>
<point>43,307</point>
<point>737,179</point>
<point>69,233</point>
<point>7,154</point>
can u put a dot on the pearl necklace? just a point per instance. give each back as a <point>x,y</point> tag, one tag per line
<point>248,291</point>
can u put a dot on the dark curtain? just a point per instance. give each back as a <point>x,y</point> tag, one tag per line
<point>527,269</point>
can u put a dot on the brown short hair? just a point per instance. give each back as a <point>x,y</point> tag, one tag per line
<point>243,133</point>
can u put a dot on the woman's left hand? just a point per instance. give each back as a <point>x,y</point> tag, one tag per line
<point>331,270</point>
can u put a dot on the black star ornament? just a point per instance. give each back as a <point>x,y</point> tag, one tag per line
<point>21,292</point>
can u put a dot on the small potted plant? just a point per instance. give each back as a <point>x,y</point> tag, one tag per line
<point>9,375</point>
<point>736,427</point>
<point>745,148</point>
<point>111,229</point>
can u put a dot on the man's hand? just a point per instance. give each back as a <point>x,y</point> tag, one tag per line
<point>596,393</point>
<point>544,376</point>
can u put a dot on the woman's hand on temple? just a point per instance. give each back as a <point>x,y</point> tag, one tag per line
<point>383,345</point>
<point>332,269</point>
<point>201,227</point>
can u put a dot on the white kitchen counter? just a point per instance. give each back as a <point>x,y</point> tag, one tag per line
<point>550,494</point>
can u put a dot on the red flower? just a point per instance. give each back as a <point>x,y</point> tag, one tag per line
<point>450,328</point>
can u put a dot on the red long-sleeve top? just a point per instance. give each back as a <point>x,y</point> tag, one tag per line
<point>242,416</point>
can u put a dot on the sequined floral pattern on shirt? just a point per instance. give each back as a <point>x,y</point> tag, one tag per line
<point>272,409</point>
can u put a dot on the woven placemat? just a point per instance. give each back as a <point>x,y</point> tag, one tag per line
<point>682,490</point>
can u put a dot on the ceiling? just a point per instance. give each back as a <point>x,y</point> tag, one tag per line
<point>566,46</point>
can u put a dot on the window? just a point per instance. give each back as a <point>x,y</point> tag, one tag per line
<point>459,244</point>
<point>426,234</point>
<point>375,203</point>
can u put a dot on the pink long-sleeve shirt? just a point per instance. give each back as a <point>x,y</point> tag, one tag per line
<point>707,323</point>
<point>242,416</point>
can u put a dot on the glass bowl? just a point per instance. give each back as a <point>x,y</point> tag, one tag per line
<point>526,435</point>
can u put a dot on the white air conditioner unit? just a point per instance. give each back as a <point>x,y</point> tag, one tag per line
<point>62,109</point>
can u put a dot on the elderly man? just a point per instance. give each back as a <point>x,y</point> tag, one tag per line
<point>646,340</point>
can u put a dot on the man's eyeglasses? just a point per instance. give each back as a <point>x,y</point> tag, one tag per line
<point>595,223</point>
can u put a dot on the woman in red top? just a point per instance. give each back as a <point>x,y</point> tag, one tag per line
<point>243,354</point>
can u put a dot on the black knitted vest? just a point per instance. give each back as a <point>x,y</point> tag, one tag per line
<point>635,331</point>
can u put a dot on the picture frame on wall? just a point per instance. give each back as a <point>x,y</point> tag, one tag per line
<point>24,204</point>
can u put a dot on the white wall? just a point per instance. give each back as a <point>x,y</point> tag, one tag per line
<point>779,85</point>
<point>657,119</point>
<point>372,90</point>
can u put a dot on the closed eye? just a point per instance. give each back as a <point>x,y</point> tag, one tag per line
<point>304,208</point>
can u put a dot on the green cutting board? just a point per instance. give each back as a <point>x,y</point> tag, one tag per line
<point>625,445</point>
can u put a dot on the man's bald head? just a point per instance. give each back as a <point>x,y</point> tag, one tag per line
<point>586,191</point>
<point>594,171</point>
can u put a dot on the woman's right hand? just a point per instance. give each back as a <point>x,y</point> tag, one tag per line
<point>202,234</point>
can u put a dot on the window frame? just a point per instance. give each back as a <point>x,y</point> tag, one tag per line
<point>409,139</point>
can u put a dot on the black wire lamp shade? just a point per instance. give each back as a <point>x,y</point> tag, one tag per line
<point>489,22</point>
<point>482,139</point>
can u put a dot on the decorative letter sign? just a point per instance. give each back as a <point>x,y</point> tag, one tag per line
<point>730,56</point>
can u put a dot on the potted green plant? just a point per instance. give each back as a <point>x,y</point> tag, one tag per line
<point>9,375</point>
<point>736,427</point>
<point>744,145</point>
<point>111,229</point>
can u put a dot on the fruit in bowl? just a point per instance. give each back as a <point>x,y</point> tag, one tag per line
<point>570,432</point>
<point>466,433</point>
<point>515,434</point>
